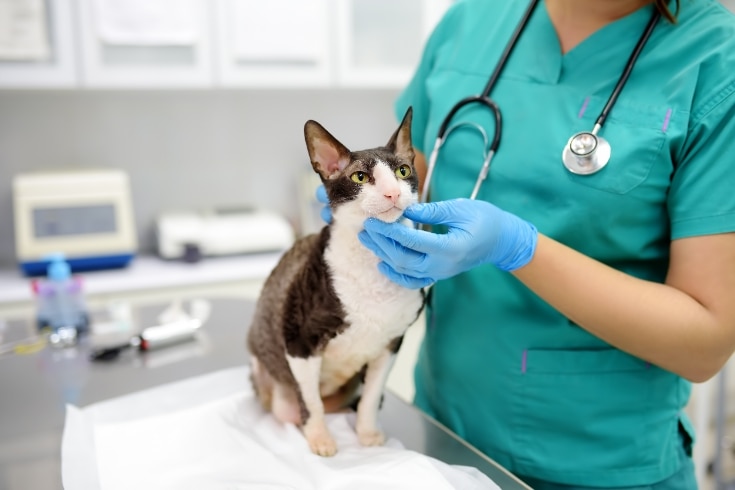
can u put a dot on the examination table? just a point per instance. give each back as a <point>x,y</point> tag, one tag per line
<point>36,386</point>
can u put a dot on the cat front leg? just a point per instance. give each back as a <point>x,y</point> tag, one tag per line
<point>306,371</point>
<point>367,409</point>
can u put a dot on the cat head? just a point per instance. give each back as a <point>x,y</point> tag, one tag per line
<point>380,182</point>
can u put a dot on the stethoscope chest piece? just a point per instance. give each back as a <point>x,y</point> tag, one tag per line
<point>586,153</point>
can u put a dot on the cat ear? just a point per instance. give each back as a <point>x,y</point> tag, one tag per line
<point>400,142</point>
<point>328,156</point>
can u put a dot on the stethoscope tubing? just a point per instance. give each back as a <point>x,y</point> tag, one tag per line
<point>587,152</point>
<point>484,99</point>
<point>509,49</point>
<point>444,132</point>
<point>626,71</point>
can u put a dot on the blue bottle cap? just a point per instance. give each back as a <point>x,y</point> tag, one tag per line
<point>58,269</point>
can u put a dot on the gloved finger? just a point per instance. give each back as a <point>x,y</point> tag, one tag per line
<point>437,213</point>
<point>364,238</point>
<point>401,279</point>
<point>326,214</point>
<point>404,280</point>
<point>420,241</point>
<point>400,258</point>
<point>321,194</point>
<point>326,211</point>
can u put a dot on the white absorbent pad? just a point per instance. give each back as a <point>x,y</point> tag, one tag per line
<point>210,432</point>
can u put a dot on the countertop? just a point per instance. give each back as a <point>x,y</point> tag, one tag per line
<point>147,273</point>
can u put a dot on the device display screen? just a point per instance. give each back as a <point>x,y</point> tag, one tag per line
<point>74,220</point>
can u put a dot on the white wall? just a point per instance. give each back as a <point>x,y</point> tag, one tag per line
<point>182,148</point>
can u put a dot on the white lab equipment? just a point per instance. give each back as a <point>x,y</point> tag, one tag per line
<point>218,232</point>
<point>86,214</point>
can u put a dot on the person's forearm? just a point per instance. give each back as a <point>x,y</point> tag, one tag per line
<point>656,322</point>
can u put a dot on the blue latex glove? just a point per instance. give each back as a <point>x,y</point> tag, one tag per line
<point>326,211</point>
<point>478,233</point>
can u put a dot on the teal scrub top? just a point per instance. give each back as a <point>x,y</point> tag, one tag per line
<point>498,365</point>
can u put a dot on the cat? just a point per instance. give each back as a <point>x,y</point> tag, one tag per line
<point>327,324</point>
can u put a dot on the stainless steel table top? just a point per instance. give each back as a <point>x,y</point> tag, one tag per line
<point>35,387</point>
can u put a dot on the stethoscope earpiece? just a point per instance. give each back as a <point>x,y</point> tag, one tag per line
<point>586,153</point>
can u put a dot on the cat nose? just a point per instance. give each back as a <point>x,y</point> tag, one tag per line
<point>392,194</point>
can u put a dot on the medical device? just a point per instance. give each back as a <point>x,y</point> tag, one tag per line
<point>585,153</point>
<point>86,214</point>
<point>193,235</point>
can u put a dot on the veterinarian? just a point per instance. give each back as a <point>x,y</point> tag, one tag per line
<point>570,310</point>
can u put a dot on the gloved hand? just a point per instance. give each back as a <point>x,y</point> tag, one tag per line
<point>478,233</point>
<point>326,211</point>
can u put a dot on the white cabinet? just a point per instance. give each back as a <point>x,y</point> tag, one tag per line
<point>274,43</point>
<point>37,44</point>
<point>220,43</point>
<point>304,43</point>
<point>380,41</point>
<point>145,43</point>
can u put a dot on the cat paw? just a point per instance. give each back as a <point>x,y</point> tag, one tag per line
<point>371,437</point>
<point>322,445</point>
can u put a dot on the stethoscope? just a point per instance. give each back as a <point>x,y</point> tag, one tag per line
<point>585,153</point>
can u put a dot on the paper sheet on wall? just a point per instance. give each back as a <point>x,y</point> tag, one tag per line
<point>210,432</point>
<point>148,22</point>
<point>277,30</point>
<point>23,30</point>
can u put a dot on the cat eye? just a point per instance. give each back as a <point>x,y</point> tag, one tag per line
<point>403,172</point>
<point>359,177</point>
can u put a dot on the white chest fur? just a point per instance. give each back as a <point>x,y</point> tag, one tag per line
<point>377,310</point>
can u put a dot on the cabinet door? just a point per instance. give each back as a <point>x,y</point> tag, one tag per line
<point>145,43</point>
<point>36,44</point>
<point>273,43</point>
<point>380,41</point>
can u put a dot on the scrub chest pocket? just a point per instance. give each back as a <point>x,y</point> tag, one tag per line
<point>567,400</point>
<point>636,135</point>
